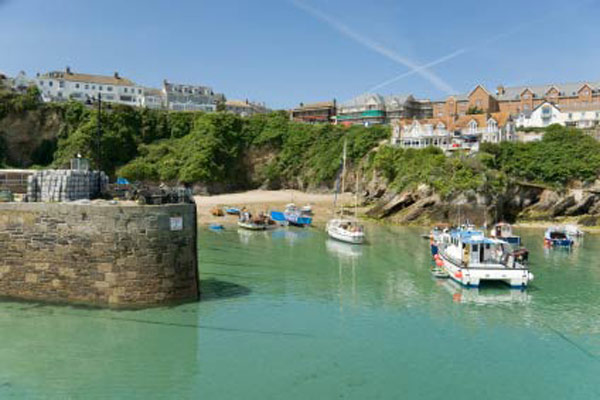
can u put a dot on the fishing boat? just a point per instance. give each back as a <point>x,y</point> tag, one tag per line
<point>503,231</point>
<point>557,236</point>
<point>232,210</point>
<point>470,258</point>
<point>345,229</point>
<point>573,231</point>
<point>259,223</point>
<point>295,216</point>
<point>434,237</point>
<point>307,210</point>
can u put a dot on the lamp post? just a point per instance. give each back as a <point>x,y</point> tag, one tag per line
<point>99,133</point>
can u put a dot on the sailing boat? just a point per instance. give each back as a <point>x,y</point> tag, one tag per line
<point>346,229</point>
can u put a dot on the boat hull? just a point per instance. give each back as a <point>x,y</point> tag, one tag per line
<point>251,226</point>
<point>473,276</point>
<point>344,237</point>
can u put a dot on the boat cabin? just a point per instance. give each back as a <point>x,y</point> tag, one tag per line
<point>474,250</point>
<point>502,230</point>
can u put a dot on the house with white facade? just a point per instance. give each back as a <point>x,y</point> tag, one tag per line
<point>154,98</point>
<point>454,134</point>
<point>181,97</point>
<point>69,85</point>
<point>548,113</point>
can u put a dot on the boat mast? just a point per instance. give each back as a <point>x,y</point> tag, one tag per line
<point>344,169</point>
<point>343,176</point>
<point>356,196</point>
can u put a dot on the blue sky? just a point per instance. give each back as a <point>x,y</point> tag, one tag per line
<point>288,51</point>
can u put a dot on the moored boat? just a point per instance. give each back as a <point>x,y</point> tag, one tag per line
<point>295,216</point>
<point>470,258</point>
<point>346,230</point>
<point>557,236</point>
<point>259,223</point>
<point>232,210</point>
<point>503,231</point>
<point>573,231</point>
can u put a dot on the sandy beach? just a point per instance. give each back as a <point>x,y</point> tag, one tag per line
<point>269,200</point>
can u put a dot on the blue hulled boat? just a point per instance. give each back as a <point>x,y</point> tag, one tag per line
<point>557,236</point>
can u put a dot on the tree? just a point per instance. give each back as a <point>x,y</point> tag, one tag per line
<point>474,110</point>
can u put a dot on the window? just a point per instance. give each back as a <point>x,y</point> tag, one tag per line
<point>50,83</point>
<point>77,86</point>
<point>93,87</point>
<point>61,84</point>
<point>139,91</point>
<point>87,87</point>
<point>99,87</point>
<point>109,88</point>
<point>125,90</point>
<point>570,116</point>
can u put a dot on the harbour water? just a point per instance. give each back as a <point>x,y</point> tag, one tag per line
<point>292,315</point>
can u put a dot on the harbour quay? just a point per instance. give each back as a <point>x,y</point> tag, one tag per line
<point>117,254</point>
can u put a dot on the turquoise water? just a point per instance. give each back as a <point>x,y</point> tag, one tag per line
<point>291,315</point>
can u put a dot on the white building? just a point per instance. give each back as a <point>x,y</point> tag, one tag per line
<point>462,133</point>
<point>191,97</point>
<point>547,113</point>
<point>154,98</point>
<point>68,85</point>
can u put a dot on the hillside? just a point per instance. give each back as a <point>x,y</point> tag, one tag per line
<point>222,152</point>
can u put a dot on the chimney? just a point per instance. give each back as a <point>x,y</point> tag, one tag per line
<point>68,69</point>
<point>247,101</point>
<point>116,74</point>
<point>500,90</point>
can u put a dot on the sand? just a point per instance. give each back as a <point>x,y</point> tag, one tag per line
<point>269,200</point>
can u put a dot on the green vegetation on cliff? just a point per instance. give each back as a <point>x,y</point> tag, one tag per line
<point>222,148</point>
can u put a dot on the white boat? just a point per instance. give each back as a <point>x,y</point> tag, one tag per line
<point>346,230</point>
<point>252,226</point>
<point>470,258</point>
<point>260,223</point>
<point>573,231</point>
<point>503,231</point>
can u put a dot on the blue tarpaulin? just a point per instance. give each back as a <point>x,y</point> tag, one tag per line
<point>122,181</point>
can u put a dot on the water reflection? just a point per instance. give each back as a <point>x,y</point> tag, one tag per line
<point>343,250</point>
<point>489,294</point>
<point>291,235</point>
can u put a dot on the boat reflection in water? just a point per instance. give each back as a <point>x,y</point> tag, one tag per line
<point>290,235</point>
<point>247,235</point>
<point>483,295</point>
<point>343,250</point>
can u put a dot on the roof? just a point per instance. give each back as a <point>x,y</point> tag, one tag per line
<point>472,237</point>
<point>153,92</point>
<point>115,80</point>
<point>390,101</point>
<point>514,93</point>
<point>318,105</point>
<point>238,103</point>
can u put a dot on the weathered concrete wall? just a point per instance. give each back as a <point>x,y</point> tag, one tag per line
<point>98,254</point>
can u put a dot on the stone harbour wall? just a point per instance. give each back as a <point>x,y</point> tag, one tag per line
<point>98,254</point>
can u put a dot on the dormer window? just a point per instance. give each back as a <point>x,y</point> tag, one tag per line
<point>492,125</point>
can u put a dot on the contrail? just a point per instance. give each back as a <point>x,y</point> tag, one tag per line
<point>375,46</point>
<point>464,50</point>
<point>416,70</point>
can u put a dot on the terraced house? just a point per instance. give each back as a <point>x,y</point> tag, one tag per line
<point>368,109</point>
<point>69,85</point>
<point>311,113</point>
<point>463,133</point>
<point>519,100</point>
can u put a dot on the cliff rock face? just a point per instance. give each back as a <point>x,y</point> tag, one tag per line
<point>520,201</point>
<point>24,133</point>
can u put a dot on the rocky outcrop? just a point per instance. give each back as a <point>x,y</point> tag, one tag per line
<point>520,201</point>
<point>28,134</point>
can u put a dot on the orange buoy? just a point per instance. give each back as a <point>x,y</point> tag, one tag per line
<point>439,262</point>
